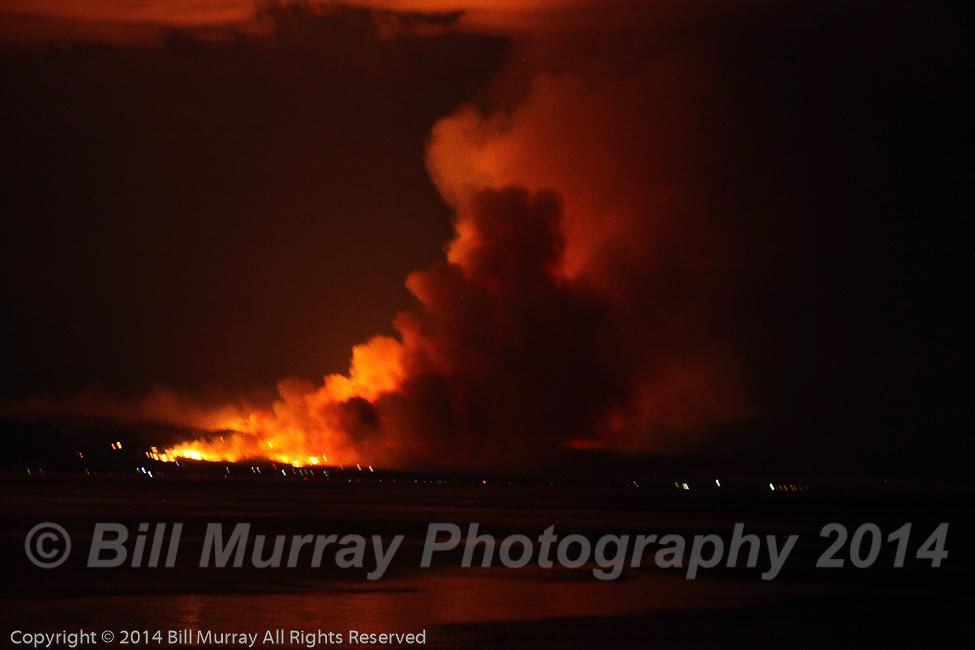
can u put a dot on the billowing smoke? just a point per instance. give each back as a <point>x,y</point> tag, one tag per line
<point>581,301</point>
<point>579,305</point>
<point>506,360</point>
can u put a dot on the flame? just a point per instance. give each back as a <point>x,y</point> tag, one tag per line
<point>302,427</point>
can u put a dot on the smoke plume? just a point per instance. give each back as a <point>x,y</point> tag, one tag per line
<point>579,303</point>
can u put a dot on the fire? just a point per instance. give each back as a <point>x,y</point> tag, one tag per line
<point>578,305</point>
<point>303,427</point>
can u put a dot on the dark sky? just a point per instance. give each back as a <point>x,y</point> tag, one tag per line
<point>216,215</point>
<point>199,215</point>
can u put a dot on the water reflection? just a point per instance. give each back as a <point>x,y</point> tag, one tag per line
<point>424,599</point>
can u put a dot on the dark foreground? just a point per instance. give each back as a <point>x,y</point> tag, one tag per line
<point>804,607</point>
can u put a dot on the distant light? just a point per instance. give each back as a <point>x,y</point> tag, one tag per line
<point>119,444</point>
<point>685,486</point>
<point>771,487</point>
<point>717,482</point>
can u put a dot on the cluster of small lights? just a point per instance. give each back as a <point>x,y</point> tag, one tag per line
<point>786,487</point>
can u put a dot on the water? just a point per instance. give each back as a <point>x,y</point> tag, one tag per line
<point>473,608</point>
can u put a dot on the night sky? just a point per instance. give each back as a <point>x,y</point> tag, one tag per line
<point>212,209</point>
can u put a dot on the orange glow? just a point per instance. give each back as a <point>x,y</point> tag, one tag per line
<point>303,427</point>
<point>146,20</point>
<point>574,307</point>
<point>469,151</point>
<point>173,13</point>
